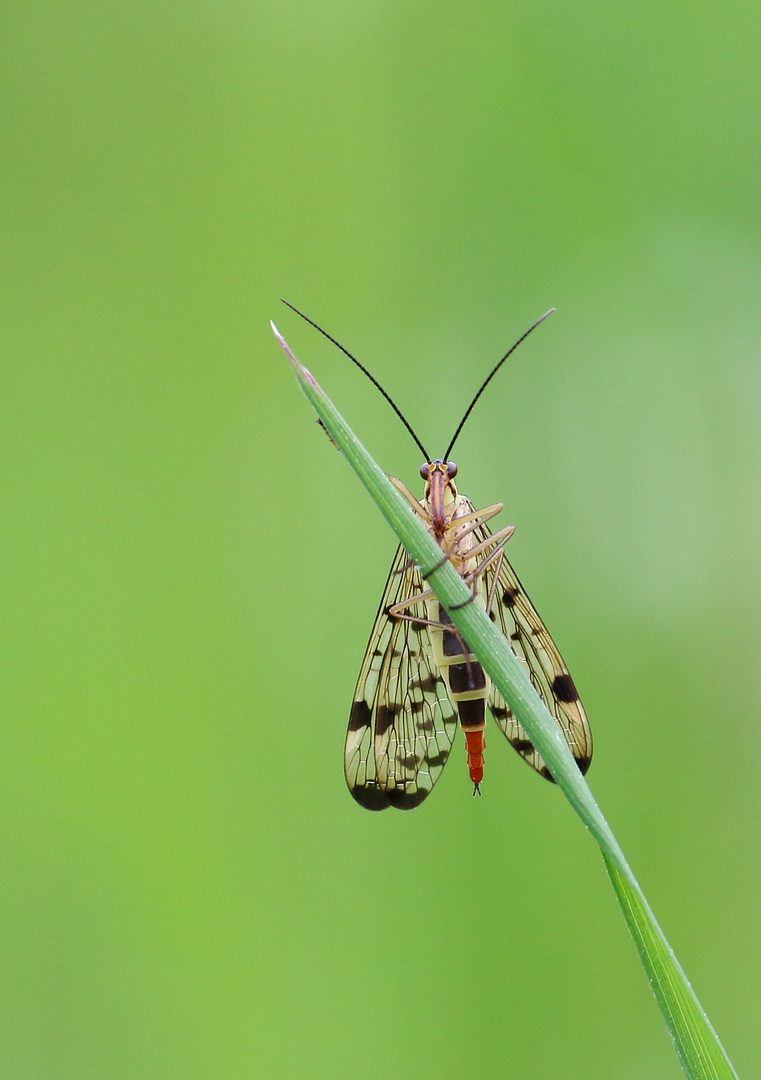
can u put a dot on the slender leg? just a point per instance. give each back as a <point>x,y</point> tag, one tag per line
<point>495,582</point>
<point>505,533</point>
<point>396,611</point>
<point>477,518</point>
<point>498,553</point>
<point>414,503</point>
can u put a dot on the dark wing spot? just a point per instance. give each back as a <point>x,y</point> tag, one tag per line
<point>427,685</point>
<point>499,712</point>
<point>359,717</point>
<point>545,772</point>
<point>370,796</point>
<point>584,763</point>
<point>563,688</point>
<point>416,706</point>
<point>403,800</point>
<point>509,596</point>
<point>384,719</point>
<point>409,761</point>
<point>523,746</point>
<point>425,726</point>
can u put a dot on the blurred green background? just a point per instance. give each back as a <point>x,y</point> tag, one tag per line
<point>190,572</point>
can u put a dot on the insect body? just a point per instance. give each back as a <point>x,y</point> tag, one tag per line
<point>418,679</point>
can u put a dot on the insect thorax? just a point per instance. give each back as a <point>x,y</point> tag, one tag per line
<point>456,539</point>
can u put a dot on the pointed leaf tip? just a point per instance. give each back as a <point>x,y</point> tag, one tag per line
<point>299,367</point>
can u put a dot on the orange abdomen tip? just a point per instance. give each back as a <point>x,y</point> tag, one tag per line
<point>475,744</point>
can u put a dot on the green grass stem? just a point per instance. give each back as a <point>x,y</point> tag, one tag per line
<point>700,1053</point>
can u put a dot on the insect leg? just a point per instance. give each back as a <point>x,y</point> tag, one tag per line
<point>416,506</point>
<point>505,533</point>
<point>396,611</point>
<point>502,536</point>
<point>425,574</point>
<point>477,518</point>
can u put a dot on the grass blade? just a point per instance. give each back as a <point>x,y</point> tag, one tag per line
<point>700,1053</point>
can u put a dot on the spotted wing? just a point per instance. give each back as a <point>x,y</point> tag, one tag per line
<point>529,639</point>
<point>402,721</point>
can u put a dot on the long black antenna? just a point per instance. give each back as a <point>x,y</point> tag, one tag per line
<point>373,380</point>
<point>489,378</point>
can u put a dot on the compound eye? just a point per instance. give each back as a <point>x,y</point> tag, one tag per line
<point>424,470</point>
<point>451,470</point>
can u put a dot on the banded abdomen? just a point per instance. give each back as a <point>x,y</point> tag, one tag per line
<point>467,683</point>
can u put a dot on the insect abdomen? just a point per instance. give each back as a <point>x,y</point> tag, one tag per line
<point>467,683</point>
